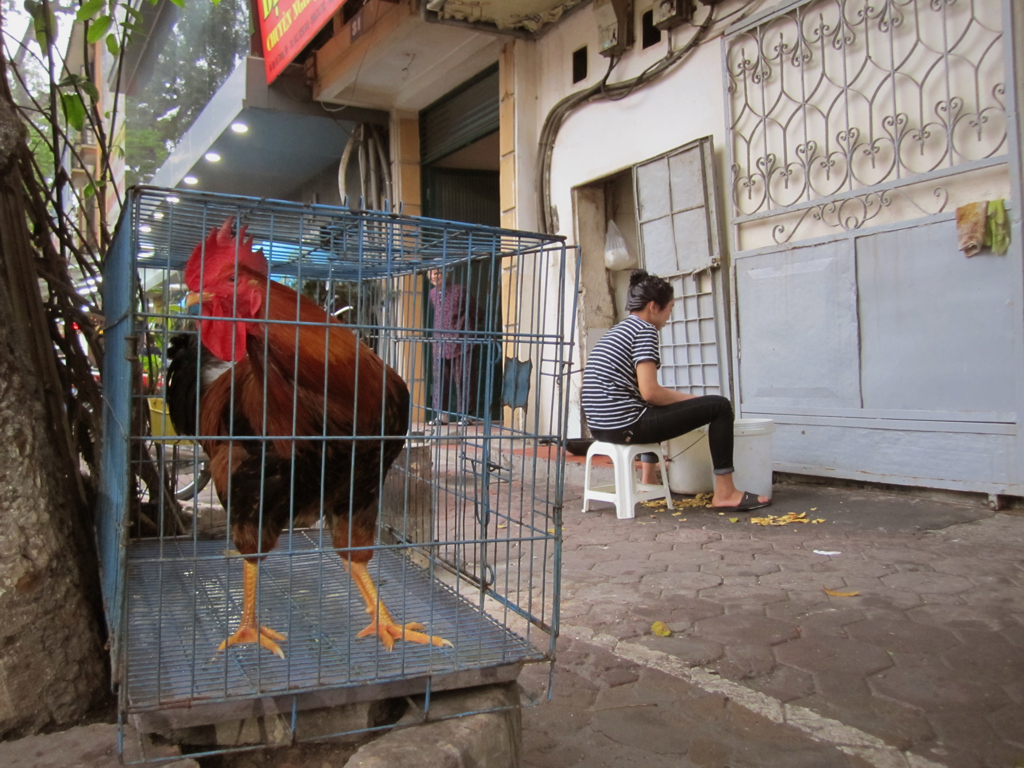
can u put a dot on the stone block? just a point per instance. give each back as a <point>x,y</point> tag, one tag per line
<point>748,628</point>
<point>489,739</point>
<point>87,746</point>
<point>902,636</point>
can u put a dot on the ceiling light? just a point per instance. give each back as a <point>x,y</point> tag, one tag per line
<point>173,199</point>
<point>190,180</point>
<point>145,228</point>
<point>212,157</point>
<point>160,214</point>
<point>239,127</point>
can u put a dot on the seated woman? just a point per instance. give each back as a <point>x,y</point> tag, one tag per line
<point>624,403</point>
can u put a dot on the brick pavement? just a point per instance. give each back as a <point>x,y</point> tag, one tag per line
<point>922,668</point>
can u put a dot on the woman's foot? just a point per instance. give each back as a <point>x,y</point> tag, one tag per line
<point>730,498</point>
<point>739,501</point>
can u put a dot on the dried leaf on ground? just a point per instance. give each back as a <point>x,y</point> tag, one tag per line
<point>660,629</point>
<point>791,517</point>
<point>833,593</point>
<point>700,500</point>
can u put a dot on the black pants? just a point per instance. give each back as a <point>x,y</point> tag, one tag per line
<point>459,373</point>
<point>663,422</point>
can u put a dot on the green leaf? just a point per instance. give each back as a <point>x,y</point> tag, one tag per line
<point>179,3</point>
<point>90,88</point>
<point>133,12</point>
<point>74,110</point>
<point>89,9</point>
<point>112,45</point>
<point>89,191</point>
<point>38,12</point>
<point>82,84</point>
<point>98,29</point>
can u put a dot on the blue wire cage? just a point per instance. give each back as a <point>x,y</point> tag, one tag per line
<point>468,535</point>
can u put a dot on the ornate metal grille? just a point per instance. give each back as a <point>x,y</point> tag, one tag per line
<point>836,104</point>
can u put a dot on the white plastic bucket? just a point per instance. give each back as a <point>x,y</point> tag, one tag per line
<point>689,463</point>
<point>752,455</point>
<point>689,459</point>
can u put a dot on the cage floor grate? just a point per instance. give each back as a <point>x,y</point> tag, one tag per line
<point>185,597</point>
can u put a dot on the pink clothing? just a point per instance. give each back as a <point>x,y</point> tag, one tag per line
<point>454,311</point>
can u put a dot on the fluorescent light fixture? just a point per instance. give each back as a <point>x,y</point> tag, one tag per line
<point>145,228</point>
<point>159,214</point>
<point>239,127</point>
<point>190,180</point>
<point>173,199</point>
<point>212,157</point>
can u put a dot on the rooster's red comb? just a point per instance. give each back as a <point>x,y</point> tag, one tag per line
<point>218,253</point>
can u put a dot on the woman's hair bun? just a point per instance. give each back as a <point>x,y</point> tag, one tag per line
<point>645,288</point>
<point>637,277</point>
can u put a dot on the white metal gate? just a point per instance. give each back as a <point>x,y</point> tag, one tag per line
<point>855,130</point>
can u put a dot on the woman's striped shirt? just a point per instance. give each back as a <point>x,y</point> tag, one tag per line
<point>611,393</point>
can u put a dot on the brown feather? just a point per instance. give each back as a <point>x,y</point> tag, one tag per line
<point>304,377</point>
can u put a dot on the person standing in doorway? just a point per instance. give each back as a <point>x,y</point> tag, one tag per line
<point>624,403</point>
<point>455,314</point>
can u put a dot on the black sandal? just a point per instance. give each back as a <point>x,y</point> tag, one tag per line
<point>747,503</point>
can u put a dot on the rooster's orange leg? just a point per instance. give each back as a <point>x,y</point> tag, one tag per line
<point>249,631</point>
<point>382,625</point>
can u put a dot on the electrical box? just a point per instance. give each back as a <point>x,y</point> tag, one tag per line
<point>672,13</point>
<point>614,26</point>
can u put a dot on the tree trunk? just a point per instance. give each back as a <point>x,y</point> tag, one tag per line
<point>51,657</point>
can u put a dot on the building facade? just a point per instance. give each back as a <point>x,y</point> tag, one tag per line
<point>794,168</point>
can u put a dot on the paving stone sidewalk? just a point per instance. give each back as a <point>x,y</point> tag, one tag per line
<point>923,667</point>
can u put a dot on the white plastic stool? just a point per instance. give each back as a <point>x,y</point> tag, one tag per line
<point>627,491</point>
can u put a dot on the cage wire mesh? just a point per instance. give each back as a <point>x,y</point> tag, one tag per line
<point>465,536</point>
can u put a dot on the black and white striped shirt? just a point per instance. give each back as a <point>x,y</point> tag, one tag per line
<point>611,393</point>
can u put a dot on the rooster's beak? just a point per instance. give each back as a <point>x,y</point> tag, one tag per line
<point>194,298</point>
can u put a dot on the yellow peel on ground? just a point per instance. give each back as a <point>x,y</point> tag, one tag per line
<point>839,594</point>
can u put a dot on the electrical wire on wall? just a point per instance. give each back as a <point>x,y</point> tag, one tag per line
<point>605,91</point>
<point>375,187</point>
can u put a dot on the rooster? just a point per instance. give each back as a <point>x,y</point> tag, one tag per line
<point>275,385</point>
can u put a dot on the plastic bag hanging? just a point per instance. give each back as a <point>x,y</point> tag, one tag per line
<point>616,255</point>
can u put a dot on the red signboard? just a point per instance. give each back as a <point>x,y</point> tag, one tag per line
<point>286,26</point>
